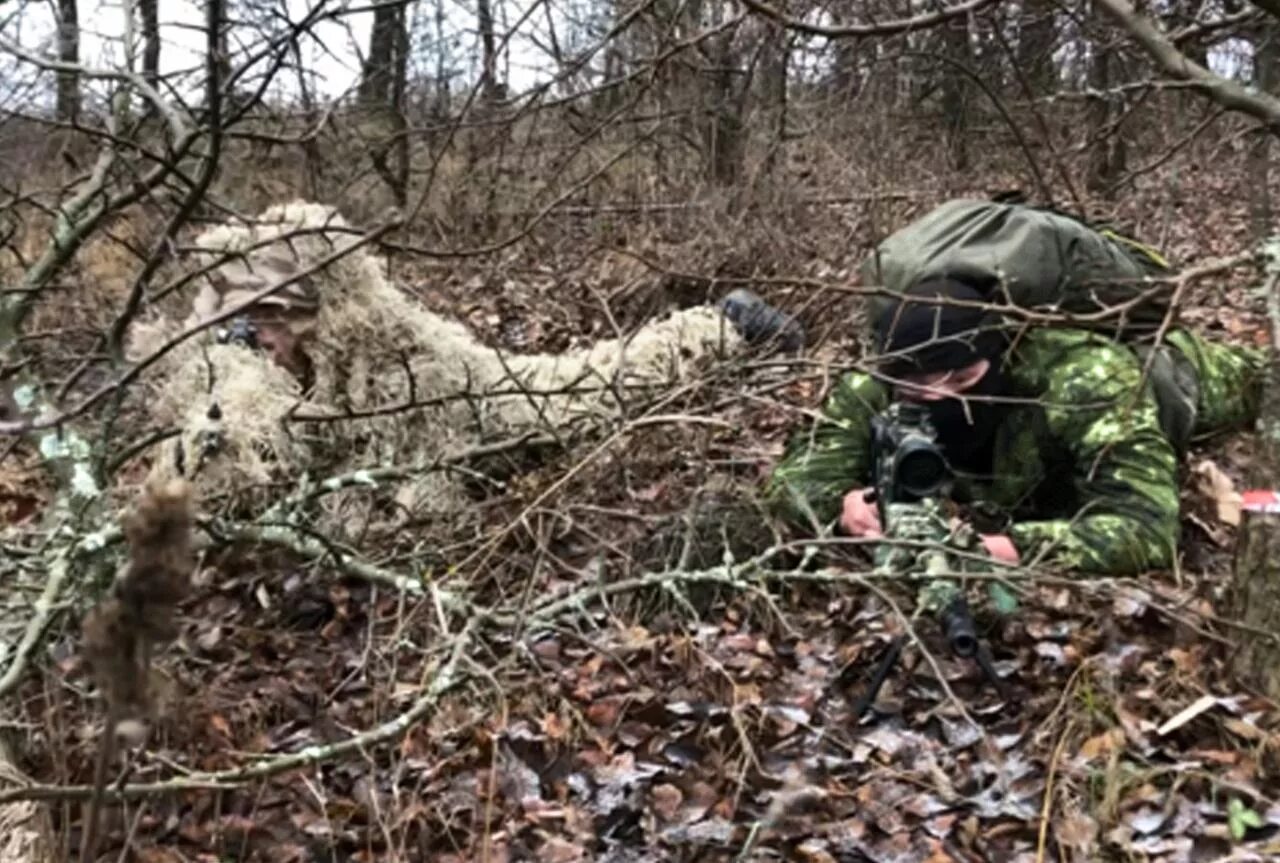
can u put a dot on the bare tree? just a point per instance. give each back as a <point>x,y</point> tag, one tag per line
<point>1107,145</point>
<point>490,87</point>
<point>1037,39</point>
<point>380,62</point>
<point>382,95</point>
<point>776,51</point>
<point>722,128</point>
<point>68,106</point>
<point>954,36</point>
<point>1266,75</point>
<point>149,12</point>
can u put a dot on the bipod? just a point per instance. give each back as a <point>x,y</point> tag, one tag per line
<point>962,637</point>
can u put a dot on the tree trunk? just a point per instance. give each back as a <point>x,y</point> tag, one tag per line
<point>844,73</point>
<point>955,35</point>
<point>1107,157</point>
<point>1266,72</point>
<point>1184,13</point>
<point>382,94</point>
<point>399,90</point>
<point>1254,598</point>
<point>773,87</point>
<point>489,87</point>
<point>722,135</point>
<point>68,105</point>
<point>443,95</point>
<point>379,64</point>
<point>150,13</point>
<point>1036,42</point>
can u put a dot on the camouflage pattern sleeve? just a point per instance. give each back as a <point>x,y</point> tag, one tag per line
<point>1125,469</point>
<point>822,463</point>
<point>1229,377</point>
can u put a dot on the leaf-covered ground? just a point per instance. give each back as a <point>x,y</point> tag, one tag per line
<point>678,717</point>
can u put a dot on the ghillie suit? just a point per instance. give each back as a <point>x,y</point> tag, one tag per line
<point>371,351</point>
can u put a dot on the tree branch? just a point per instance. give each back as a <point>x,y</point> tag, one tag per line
<point>1271,7</point>
<point>1227,93</point>
<point>177,126</point>
<point>883,28</point>
<point>1248,17</point>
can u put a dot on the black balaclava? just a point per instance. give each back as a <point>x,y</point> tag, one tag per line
<point>939,335</point>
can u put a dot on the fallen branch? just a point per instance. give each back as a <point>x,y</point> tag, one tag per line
<point>41,615</point>
<point>305,544</point>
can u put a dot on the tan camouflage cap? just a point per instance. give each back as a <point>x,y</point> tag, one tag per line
<point>238,281</point>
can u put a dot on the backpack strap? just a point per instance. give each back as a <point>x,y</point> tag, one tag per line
<point>1147,254</point>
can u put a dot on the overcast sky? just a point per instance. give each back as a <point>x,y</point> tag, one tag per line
<point>332,56</point>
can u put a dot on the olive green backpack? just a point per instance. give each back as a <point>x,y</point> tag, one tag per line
<point>1038,259</point>
<point>1029,257</point>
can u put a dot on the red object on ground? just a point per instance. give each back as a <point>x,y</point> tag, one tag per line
<point>1261,500</point>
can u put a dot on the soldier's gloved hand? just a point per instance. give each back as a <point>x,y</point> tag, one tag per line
<point>1000,547</point>
<point>859,518</point>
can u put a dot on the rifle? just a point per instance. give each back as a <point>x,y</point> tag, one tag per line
<point>911,476</point>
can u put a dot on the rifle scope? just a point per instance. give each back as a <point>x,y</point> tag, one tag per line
<point>917,467</point>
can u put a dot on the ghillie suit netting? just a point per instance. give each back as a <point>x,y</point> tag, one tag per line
<point>372,351</point>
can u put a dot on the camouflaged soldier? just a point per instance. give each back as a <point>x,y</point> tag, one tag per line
<point>1064,440</point>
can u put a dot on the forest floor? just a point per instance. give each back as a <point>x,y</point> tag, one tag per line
<point>683,720</point>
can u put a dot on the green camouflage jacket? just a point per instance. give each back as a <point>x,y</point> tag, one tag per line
<point>1084,475</point>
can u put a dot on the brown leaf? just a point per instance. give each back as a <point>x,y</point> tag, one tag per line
<point>554,727</point>
<point>650,493</point>
<point>812,852</point>
<point>1218,756</point>
<point>156,855</point>
<point>1242,728</point>
<point>702,796</point>
<point>742,641</point>
<point>604,712</point>
<point>547,648</point>
<point>560,850</point>
<point>1102,744</point>
<point>1130,602</point>
<point>220,725</point>
<point>1077,831</point>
